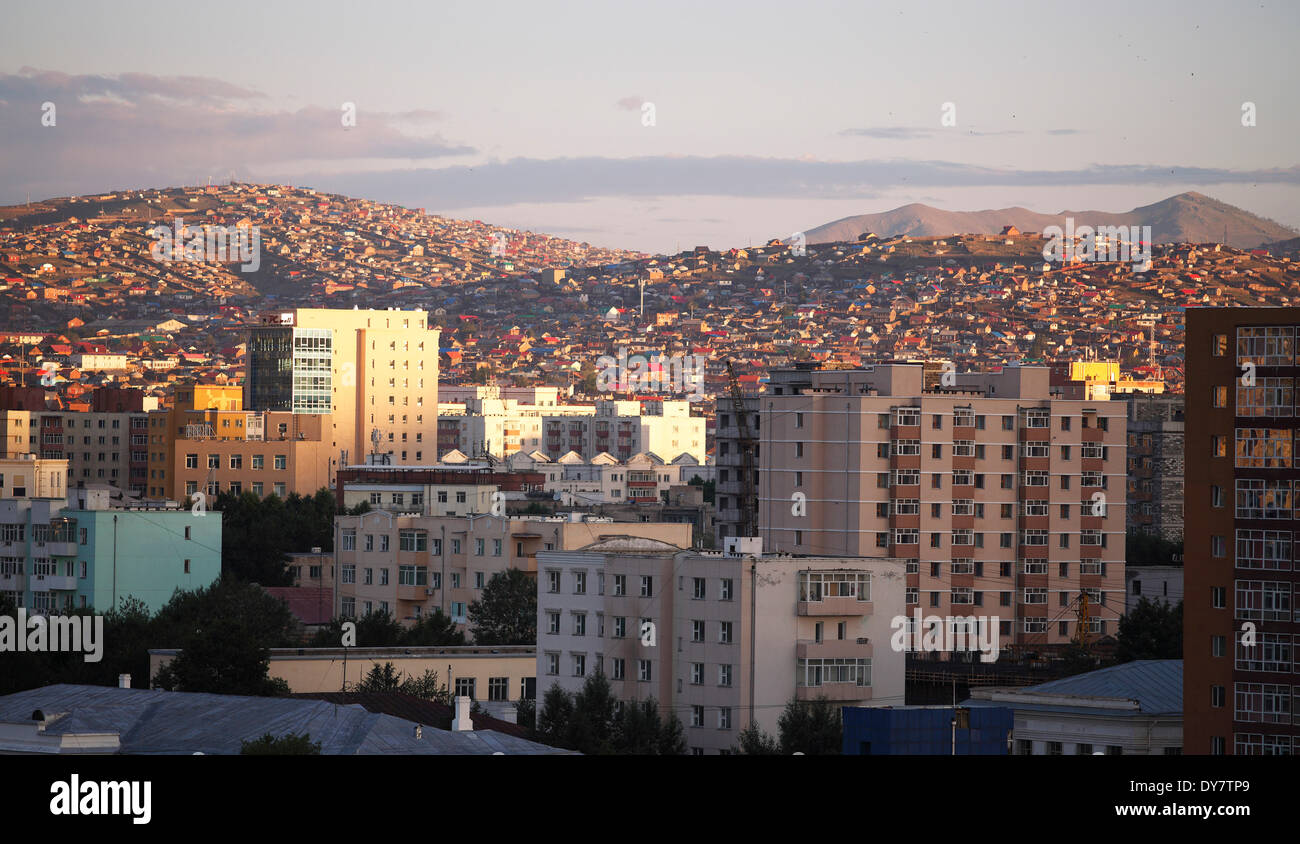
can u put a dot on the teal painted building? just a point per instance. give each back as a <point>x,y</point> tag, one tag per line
<point>55,557</point>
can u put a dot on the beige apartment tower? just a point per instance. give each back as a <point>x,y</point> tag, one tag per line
<point>1003,500</point>
<point>374,371</point>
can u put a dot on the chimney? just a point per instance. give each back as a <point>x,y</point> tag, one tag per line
<point>462,722</point>
<point>124,681</point>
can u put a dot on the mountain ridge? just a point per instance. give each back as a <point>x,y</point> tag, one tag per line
<point>1188,217</point>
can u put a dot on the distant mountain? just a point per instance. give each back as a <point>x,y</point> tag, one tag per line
<point>1186,218</point>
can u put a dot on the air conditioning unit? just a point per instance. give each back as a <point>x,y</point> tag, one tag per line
<point>863,640</point>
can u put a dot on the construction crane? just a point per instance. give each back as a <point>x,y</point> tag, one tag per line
<point>748,495</point>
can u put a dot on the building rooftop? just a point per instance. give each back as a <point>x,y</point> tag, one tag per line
<point>149,722</point>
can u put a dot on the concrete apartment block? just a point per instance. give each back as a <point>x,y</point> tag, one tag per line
<point>719,638</point>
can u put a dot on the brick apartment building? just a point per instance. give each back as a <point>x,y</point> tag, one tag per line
<point>1004,500</point>
<point>1241,521</point>
<point>1155,465</point>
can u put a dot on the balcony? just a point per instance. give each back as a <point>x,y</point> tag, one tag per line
<point>834,606</point>
<point>12,582</point>
<point>833,692</point>
<point>61,549</point>
<point>51,582</point>
<point>412,593</point>
<point>833,649</point>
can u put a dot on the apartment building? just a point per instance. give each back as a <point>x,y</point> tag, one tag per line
<point>721,639</point>
<point>1002,499</point>
<point>370,370</point>
<point>29,476</point>
<point>432,491</point>
<point>1155,465</point>
<point>406,564</point>
<point>208,443</point>
<point>1240,680</point>
<point>643,478</point>
<point>58,554</point>
<point>501,427</point>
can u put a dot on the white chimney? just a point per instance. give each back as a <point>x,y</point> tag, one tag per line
<point>462,722</point>
<point>124,681</point>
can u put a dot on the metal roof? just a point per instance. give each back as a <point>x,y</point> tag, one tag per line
<point>151,722</point>
<point>1156,684</point>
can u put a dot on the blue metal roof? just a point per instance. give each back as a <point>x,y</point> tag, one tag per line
<point>1156,684</point>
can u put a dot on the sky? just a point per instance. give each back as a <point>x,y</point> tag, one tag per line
<point>660,126</point>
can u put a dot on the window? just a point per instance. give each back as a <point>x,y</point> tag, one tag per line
<point>281,461</point>
<point>552,581</point>
<point>498,688</point>
<point>620,627</point>
<point>1263,448</point>
<point>697,631</point>
<point>618,669</point>
<point>1269,345</point>
<point>580,583</point>
<point>724,718</point>
<point>697,717</point>
<point>724,675</point>
<point>697,673</point>
<point>643,670</point>
<point>552,663</point>
<point>724,632</point>
<point>724,590</point>
<point>579,665</point>
<point>620,584</point>
<point>579,624</point>
<point>647,586</point>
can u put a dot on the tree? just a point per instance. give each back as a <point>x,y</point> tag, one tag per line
<point>224,632</point>
<point>433,628</point>
<point>754,741</point>
<point>290,744</point>
<point>380,679</point>
<point>507,612</point>
<point>526,715</point>
<point>554,716</point>
<point>1151,630</point>
<point>591,724</point>
<point>810,727</point>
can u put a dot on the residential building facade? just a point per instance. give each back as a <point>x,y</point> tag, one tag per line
<point>720,639</point>
<point>1239,615</point>
<point>1002,499</point>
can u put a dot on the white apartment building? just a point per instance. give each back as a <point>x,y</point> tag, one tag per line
<point>720,639</point>
<point>502,426</point>
<point>603,479</point>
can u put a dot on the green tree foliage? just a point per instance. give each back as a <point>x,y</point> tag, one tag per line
<point>506,614</point>
<point>433,628</point>
<point>754,741</point>
<point>258,533</point>
<point>291,744</point>
<point>1150,550</point>
<point>709,487</point>
<point>225,632</point>
<point>386,678</point>
<point>589,722</point>
<point>1151,630</point>
<point>812,728</point>
<point>378,629</point>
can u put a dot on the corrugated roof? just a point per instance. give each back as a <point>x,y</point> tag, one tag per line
<point>1156,684</point>
<point>152,722</point>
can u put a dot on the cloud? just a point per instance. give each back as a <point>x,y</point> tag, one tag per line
<point>137,130</point>
<point>889,133</point>
<point>530,180</point>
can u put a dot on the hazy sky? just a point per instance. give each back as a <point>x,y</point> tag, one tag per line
<point>768,117</point>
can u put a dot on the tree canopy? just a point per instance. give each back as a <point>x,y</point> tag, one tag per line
<point>506,614</point>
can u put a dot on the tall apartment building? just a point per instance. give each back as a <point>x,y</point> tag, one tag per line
<point>721,639</point>
<point>206,442</point>
<point>502,426</point>
<point>1155,465</point>
<point>408,564</point>
<point>58,554</point>
<point>1003,499</point>
<point>1239,696</point>
<point>370,370</point>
